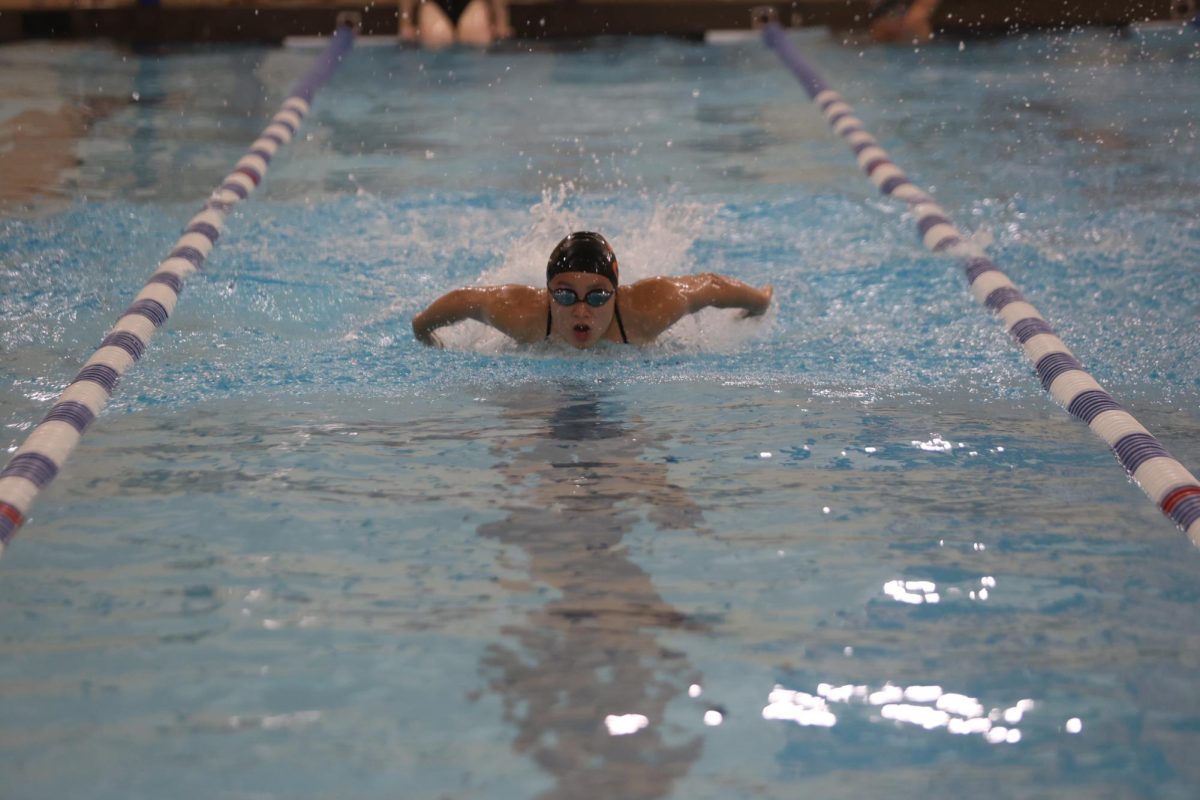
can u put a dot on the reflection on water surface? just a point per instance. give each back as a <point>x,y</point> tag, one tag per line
<point>585,678</point>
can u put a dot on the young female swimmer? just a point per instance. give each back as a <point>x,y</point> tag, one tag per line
<point>582,303</point>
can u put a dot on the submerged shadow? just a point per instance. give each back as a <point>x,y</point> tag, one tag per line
<point>580,482</point>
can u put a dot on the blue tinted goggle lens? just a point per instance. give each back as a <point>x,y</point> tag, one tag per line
<point>595,298</point>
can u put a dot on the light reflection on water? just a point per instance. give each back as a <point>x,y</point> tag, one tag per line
<point>578,483</point>
<point>925,707</point>
<point>918,592</point>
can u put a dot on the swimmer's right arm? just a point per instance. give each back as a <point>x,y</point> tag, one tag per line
<point>517,311</point>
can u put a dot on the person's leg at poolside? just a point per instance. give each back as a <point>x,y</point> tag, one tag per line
<point>475,24</point>
<point>434,28</point>
<point>917,21</point>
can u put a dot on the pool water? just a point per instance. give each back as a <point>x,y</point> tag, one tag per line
<point>849,549</point>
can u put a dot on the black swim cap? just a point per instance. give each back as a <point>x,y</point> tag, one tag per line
<point>583,251</point>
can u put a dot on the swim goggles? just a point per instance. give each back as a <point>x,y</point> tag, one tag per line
<point>567,297</point>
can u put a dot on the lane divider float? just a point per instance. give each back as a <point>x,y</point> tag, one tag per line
<point>1164,480</point>
<point>37,461</point>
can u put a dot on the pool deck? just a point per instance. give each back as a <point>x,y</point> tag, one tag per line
<point>273,20</point>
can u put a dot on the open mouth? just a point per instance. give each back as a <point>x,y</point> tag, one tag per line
<point>582,331</point>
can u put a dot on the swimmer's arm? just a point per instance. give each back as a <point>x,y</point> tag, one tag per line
<point>718,291</point>
<point>658,303</point>
<point>517,311</point>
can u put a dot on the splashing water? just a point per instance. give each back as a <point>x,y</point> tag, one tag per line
<point>646,245</point>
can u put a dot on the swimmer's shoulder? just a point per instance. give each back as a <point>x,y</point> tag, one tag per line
<point>650,306</point>
<point>649,292</point>
<point>515,293</point>
<point>517,310</point>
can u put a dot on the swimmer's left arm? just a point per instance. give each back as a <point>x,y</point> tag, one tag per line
<point>658,303</point>
<point>709,290</point>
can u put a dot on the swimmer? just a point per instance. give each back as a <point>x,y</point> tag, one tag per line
<point>440,23</point>
<point>582,303</point>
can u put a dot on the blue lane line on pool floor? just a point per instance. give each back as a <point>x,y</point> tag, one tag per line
<point>38,460</point>
<point>1164,480</point>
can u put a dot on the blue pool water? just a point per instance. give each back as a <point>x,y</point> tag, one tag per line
<point>846,550</point>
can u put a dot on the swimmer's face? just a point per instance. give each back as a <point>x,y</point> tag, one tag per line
<point>581,324</point>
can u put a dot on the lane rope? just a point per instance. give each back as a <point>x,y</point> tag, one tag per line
<point>1164,480</point>
<point>38,460</point>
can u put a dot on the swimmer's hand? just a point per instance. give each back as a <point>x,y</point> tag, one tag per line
<point>424,333</point>
<point>429,339</point>
<point>765,294</point>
